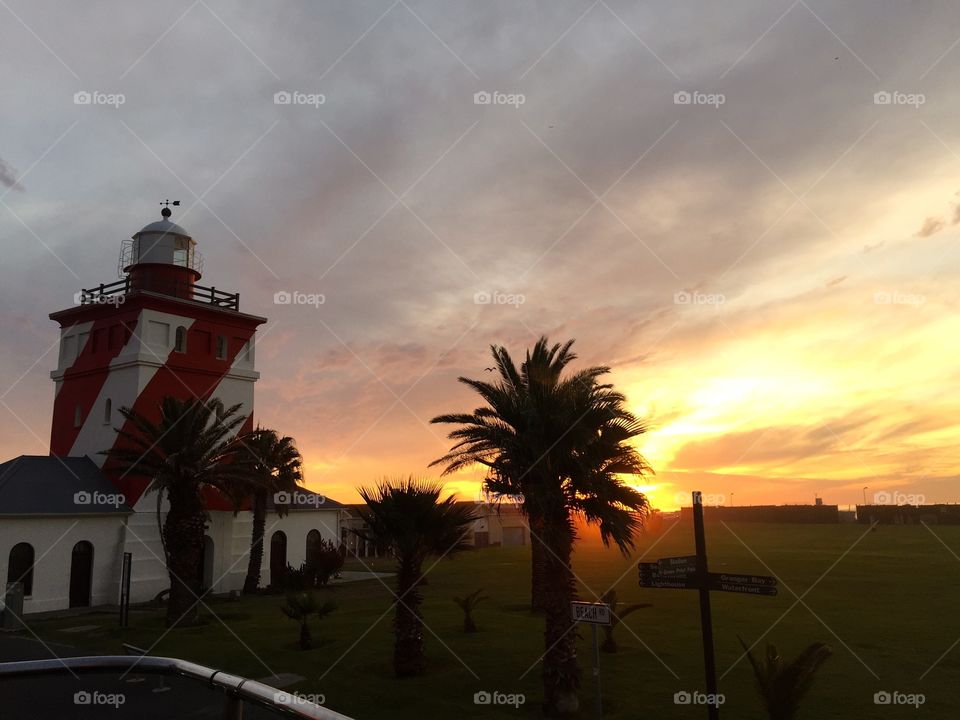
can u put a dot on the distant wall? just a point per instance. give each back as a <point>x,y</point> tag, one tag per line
<point>909,514</point>
<point>767,513</point>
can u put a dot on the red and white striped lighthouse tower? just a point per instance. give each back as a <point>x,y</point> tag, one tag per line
<point>154,333</point>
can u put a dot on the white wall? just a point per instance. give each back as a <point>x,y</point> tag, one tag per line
<point>53,539</point>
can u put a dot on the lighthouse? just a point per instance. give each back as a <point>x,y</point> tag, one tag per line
<point>156,332</point>
<point>68,519</point>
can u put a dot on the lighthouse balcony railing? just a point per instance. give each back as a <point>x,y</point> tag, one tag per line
<point>115,293</point>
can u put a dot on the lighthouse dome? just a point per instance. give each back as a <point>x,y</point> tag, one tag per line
<point>164,227</point>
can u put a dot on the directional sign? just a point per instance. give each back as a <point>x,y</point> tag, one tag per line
<point>685,561</point>
<point>748,584</point>
<point>682,583</point>
<point>593,613</point>
<point>657,570</point>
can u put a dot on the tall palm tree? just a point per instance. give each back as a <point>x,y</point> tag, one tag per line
<point>408,517</point>
<point>561,442</point>
<point>275,466</point>
<point>782,685</point>
<point>191,447</point>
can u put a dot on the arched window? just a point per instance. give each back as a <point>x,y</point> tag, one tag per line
<point>20,566</point>
<point>180,340</point>
<point>107,411</point>
<point>81,574</point>
<point>278,558</point>
<point>313,544</point>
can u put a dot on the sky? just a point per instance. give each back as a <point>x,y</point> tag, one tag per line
<point>749,210</point>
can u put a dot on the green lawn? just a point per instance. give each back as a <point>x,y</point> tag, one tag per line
<point>888,606</point>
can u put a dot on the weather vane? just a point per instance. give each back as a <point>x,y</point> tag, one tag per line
<point>166,212</point>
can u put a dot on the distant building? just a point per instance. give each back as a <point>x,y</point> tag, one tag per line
<point>818,513</point>
<point>909,514</point>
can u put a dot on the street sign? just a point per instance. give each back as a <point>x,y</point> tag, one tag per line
<point>593,613</point>
<point>686,562</point>
<point>686,583</point>
<point>732,583</point>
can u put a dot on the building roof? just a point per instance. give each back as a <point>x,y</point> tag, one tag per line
<point>48,485</point>
<point>163,226</point>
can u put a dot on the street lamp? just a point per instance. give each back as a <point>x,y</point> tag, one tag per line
<point>865,487</point>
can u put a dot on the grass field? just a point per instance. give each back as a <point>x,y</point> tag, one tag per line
<point>885,601</point>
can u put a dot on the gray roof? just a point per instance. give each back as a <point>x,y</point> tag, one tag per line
<point>48,485</point>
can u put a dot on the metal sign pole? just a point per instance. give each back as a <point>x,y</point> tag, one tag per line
<point>706,622</point>
<point>596,671</point>
<point>125,590</point>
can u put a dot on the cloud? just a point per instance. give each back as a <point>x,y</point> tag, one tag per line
<point>931,226</point>
<point>8,176</point>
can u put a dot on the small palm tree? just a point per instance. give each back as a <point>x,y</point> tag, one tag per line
<point>189,448</point>
<point>563,444</point>
<point>617,614</point>
<point>782,685</point>
<point>275,466</point>
<point>408,517</point>
<point>468,604</point>
<point>299,607</point>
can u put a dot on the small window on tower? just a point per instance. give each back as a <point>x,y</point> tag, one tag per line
<point>221,347</point>
<point>77,416</point>
<point>107,411</point>
<point>180,340</point>
<point>181,252</point>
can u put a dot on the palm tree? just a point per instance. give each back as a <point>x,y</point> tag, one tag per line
<point>617,615</point>
<point>407,517</point>
<point>561,443</point>
<point>299,607</point>
<point>782,685</point>
<point>191,447</point>
<point>468,603</point>
<point>276,466</point>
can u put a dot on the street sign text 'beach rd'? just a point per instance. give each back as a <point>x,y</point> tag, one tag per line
<point>689,572</point>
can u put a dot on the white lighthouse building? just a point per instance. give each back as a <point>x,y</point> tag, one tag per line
<point>66,519</point>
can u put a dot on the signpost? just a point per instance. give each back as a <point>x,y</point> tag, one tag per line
<point>595,614</point>
<point>690,572</point>
<point>125,590</point>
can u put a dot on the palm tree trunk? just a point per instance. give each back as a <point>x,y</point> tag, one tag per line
<point>408,659</point>
<point>538,556</point>
<point>305,639</point>
<point>183,537</point>
<point>255,563</point>
<point>561,674</point>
